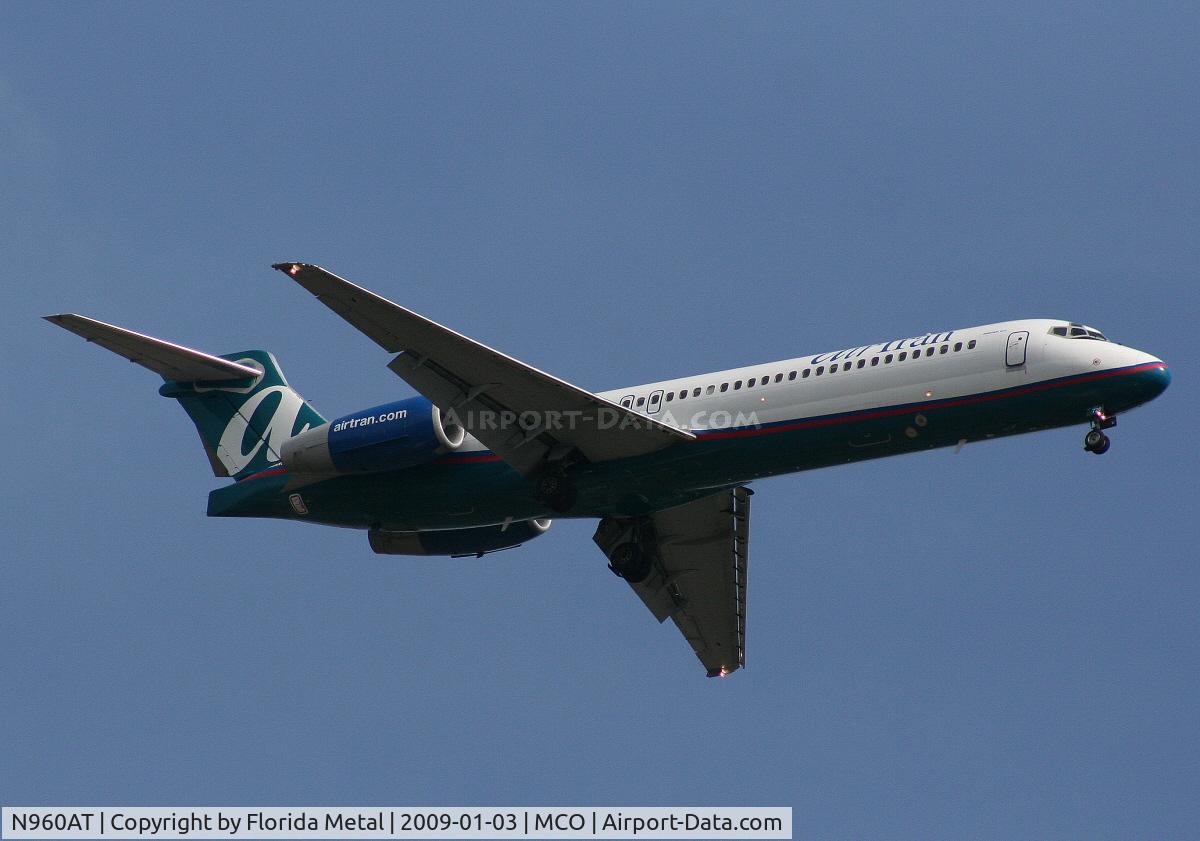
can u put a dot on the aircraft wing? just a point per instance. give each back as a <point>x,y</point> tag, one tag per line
<point>698,554</point>
<point>486,389</point>
<point>168,360</point>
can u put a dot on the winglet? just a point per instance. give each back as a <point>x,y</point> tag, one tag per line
<point>360,307</point>
<point>289,268</point>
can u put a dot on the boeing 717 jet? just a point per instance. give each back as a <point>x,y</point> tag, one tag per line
<point>492,448</point>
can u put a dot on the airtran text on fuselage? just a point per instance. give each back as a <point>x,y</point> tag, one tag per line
<point>895,344</point>
<point>384,417</point>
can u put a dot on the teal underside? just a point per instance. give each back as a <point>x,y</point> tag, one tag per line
<point>448,495</point>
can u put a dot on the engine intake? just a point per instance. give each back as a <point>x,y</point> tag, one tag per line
<point>388,437</point>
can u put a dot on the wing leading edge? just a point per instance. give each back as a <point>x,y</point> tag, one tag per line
<point>697,556</point>
<point>167,359</point>
<point>548,417</point>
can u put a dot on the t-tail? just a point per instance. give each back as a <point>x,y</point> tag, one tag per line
<point>241,403</point>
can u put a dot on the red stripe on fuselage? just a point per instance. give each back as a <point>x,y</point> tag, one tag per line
<point>270,471</point>
<point>466,458</point>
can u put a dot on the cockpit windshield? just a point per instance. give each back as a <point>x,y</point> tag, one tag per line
<point>1077,331</point>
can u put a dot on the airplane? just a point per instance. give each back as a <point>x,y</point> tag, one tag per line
<point>491,448</point>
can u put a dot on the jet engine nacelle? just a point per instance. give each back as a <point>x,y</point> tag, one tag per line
<point>388,437</point>
<point>473,541</point>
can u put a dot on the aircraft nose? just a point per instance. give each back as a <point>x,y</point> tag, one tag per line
<point>1157,380</point>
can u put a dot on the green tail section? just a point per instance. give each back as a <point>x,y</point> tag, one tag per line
<point>243,423</point>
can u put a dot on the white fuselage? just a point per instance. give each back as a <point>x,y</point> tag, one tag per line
<point>935,366</point>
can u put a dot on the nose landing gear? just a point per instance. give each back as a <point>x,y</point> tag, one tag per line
<point>1096,441</point>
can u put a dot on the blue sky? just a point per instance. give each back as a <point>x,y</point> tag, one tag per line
<point>1000,643</point>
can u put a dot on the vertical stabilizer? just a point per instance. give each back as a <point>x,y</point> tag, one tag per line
<point>243,424</point>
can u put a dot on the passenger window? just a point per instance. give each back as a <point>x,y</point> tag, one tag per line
<point>929,351</point>
<point>670,396</point>
<point>847,366</point>
<point>750,383</point>
<point>971,345</point>
<point>737,385</point>
<point>887,359</point>
<point>696,391</point>
<point>779,378</point>
<point>711,389</point>
<point>957,347</point>
<point>805,374</point>
<point>683,394</point>
<point>862,363</point>
<point>641,401</point>
<point>833,369</point>
<point>627,402</point>
<point>820,370</point>
<point>874,361</point>
<point>903,356</point>
<point>944,348</point>
<point>724,387</point>
<point>791,376</point>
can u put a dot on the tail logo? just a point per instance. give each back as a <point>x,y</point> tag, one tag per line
<point>278,429</point>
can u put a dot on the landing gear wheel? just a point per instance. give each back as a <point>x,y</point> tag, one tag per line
<point>630,563</point>
<point>1096,442</point>
<point>556,490</point>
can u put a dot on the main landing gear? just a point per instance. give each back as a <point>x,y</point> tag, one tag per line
<point>1096,441</point>
<point>555,488</point>
<point>630,562</point>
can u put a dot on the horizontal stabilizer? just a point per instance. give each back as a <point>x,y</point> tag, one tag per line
<point>170,361</point>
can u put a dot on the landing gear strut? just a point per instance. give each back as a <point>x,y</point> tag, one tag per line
<point>1096,441</point>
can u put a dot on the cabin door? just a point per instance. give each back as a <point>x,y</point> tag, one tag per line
<point>1015,354</point>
